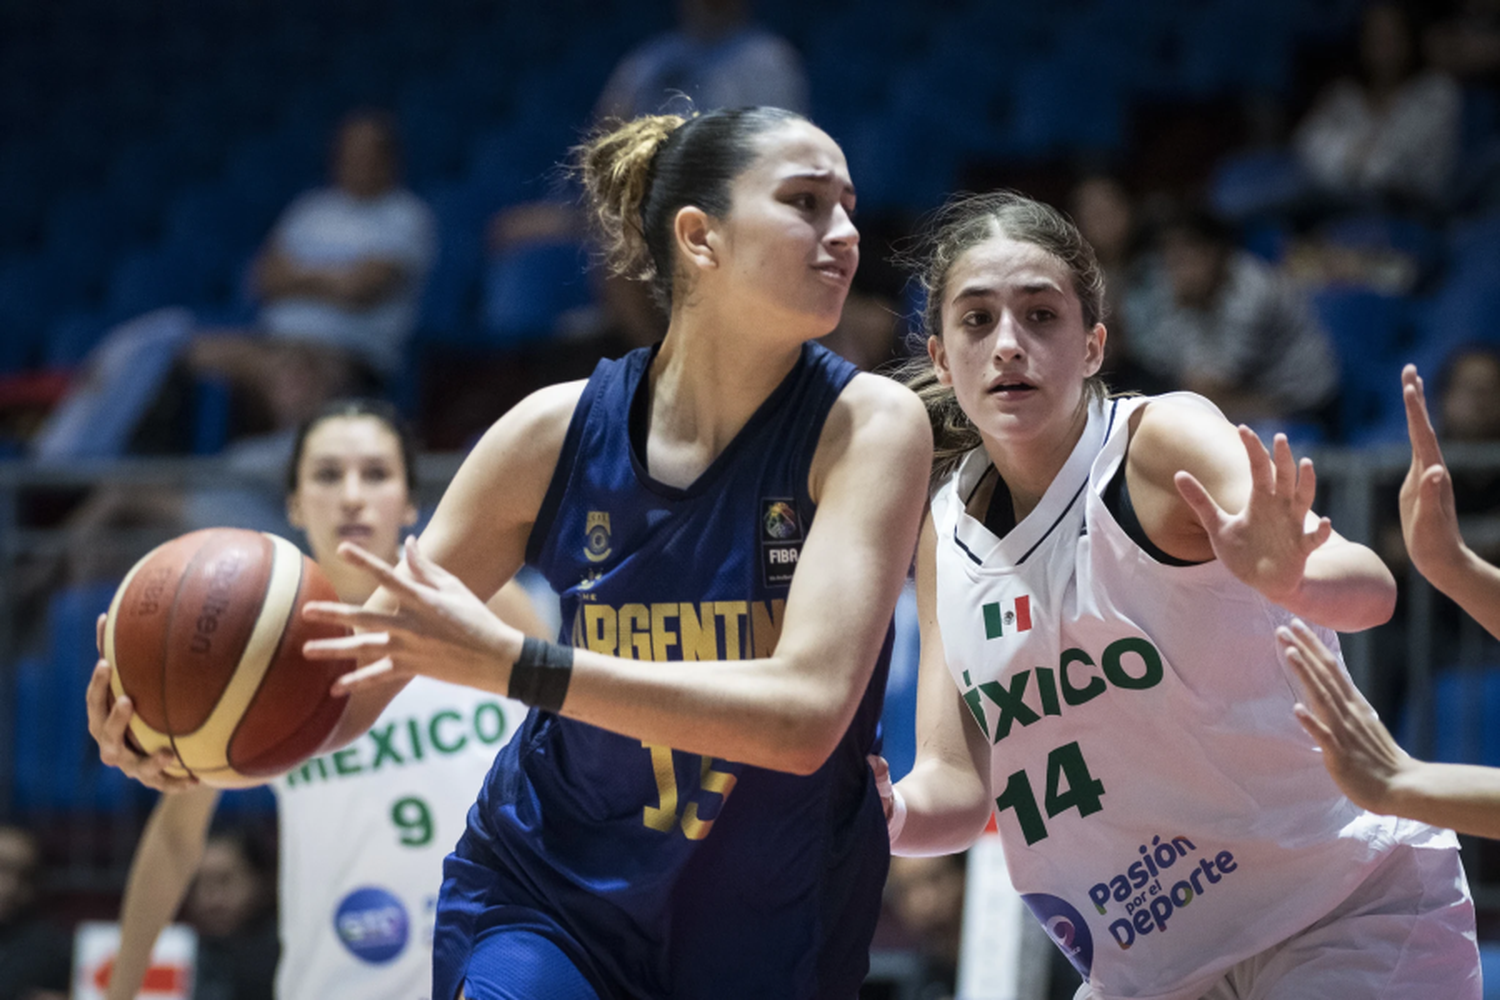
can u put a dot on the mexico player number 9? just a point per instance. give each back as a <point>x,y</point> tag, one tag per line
<point>414,820</point>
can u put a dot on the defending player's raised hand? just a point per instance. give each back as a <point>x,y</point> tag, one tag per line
<point>1266,544</point>
<point>1429,518</point>
<point>438,628</point>
<point>1358,750</point>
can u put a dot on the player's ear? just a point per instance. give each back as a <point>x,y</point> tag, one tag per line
<point>294,513</point>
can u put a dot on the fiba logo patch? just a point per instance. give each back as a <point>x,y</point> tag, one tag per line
<point>780,520</point>
<point>373,925</point>
<point>780,541</point>
<point>1065,926</point>
<point>596,544</point>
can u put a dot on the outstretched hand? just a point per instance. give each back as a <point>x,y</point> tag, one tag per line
<point>1359,752</point>
<point>439,628</point>
<point>1429,519</point>
<point>109,720</point>
<point>1266,544</point>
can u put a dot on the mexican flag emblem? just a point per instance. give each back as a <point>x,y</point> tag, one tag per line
<point>1007,617</point>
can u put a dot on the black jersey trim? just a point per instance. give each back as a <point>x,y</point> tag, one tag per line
<point>1114,406</point>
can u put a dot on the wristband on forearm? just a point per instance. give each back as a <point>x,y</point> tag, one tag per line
<point>541,674</point>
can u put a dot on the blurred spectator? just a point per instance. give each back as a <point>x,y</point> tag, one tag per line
<point>927,896</point>
<point>232,906</point>
<point>1466,43</point>
<point>1216,320</point>
<point>339,279</point>
<point>35,956</point>
<point>1390,134</point>
<point>1105,213</point>
<point>716,56</point>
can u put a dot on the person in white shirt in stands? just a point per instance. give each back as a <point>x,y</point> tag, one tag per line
<point>339,280</point>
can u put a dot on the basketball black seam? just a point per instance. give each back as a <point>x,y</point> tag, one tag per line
<point>166,652</point>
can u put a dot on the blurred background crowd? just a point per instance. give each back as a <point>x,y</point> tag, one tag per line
<point>217,214</point>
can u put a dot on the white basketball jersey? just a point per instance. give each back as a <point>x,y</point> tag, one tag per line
<point>364,831</point>
<point>1163,813</point>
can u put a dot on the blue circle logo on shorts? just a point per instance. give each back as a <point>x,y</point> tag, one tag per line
<point>1066,927</point>
<point>372,924</point>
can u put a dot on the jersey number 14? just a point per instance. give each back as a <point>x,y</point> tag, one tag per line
<point>1069,786</point>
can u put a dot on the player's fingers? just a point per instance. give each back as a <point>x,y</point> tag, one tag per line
<point>1284,466</point>
<point>347,646</point>
<point>354,679</point>
<point>1320,534</point>
<point>1307,485</point>
<point>152,772</point>
<point>1435,483</point>
<point>1198,499</point>
<point>1424,443</point>
<point>351,615</point>
<point>422,567</point>
<point>1300,658</point>
<point>1315,728</point>
<point>1262,475</point>
<point>99,633</point>
<point>1319,663</point>
<point>381,570</point>
<point>98,697</point>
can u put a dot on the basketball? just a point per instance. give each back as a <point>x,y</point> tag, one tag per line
<point>205,635</point>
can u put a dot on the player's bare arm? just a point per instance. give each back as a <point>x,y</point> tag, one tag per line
<point>474,544</point>
<point>1429,518</point>
<point>1365,760</point>
<point>1207,490</point>
<point>166,861</point>
<point>786,711</point>
<point>947,793</point>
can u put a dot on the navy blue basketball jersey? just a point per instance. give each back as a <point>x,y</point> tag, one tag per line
<point>663,873</point>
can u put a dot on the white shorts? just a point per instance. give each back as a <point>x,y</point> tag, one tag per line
<point>1406,933</point>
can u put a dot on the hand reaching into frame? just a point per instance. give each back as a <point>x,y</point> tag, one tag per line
<point>1266,545</point>
<point>109,720</point>
<point>1359,752</point>
<point>1429,518</point>
<point>438,628</point>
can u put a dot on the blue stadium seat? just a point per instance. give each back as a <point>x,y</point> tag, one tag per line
<point>1474,245</point>
<point>528,287</point>
<point>1256,183</point>
<point>31,290</point>
<point>1462,311</point>
<point>57,762</point>
<point>1466,715</point>
<point>147,279</point>
<point>1366,329</point>
<point>70,337</point>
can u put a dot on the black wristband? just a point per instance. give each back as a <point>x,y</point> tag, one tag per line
<point>541,674</point>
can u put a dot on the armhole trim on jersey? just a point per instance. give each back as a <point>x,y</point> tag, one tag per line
<point>541,529</point>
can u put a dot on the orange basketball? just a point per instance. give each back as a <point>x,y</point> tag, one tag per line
<point>205,635</point>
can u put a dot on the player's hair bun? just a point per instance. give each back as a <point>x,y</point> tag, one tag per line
<point>616,167</point>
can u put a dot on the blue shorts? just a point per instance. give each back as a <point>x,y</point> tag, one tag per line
<point>499,950</point>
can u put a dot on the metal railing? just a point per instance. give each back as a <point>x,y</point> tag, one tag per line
<point>1356,488</point>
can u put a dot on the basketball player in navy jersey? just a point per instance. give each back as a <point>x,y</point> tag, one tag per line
<point>727,519</point>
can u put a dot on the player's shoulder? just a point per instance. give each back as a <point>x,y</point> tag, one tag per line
<point>874,398</point>
<point>530,435</point>
<point>1180,430</point>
